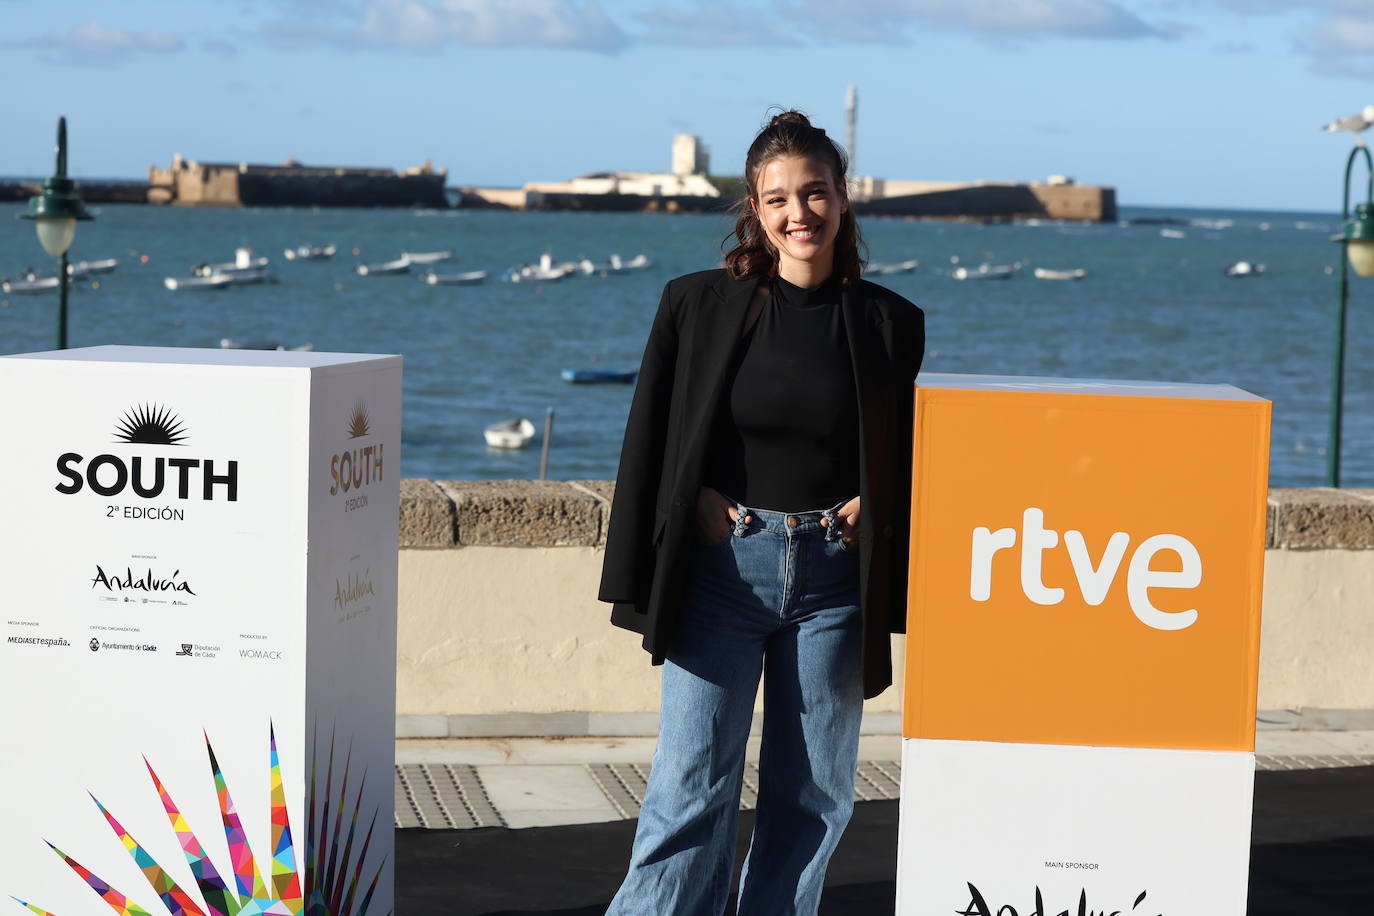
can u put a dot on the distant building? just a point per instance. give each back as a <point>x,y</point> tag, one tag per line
<point>690,156</point>
<point>685,188</point>
<point>644,184</point>
<point>241,184</point>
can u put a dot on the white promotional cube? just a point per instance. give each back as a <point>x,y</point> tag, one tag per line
<point>199,658</point>
<point>1087,560</point>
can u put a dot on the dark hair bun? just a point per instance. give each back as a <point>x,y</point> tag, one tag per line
<point>789,118</point>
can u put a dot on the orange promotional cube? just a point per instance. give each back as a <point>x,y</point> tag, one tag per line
<point>1086,562</point>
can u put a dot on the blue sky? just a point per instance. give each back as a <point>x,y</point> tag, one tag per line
<point>1210,103</point>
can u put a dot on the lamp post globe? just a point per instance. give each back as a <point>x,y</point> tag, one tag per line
<point>55,211</point>
<point>1358,235</point>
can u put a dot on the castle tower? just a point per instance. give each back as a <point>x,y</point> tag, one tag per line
<point>690,156</point>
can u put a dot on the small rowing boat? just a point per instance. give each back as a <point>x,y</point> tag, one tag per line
<point>1044,273</point>
<point>399,266</point>
<point>509,434</point>
<point>471,278</point>
<point>599,376</point>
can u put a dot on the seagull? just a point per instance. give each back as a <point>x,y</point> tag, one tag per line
<point>1355,123</point>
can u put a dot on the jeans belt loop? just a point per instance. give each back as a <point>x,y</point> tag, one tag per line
<point>832,530</point>
<point>740,524</point>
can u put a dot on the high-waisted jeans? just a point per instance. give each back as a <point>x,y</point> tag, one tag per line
<point>780,595</point>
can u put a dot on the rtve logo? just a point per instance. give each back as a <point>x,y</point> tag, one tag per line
<point>1095,576</point>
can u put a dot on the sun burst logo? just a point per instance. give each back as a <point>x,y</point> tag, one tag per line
<point>330,877</point>
<point>357,421</point>
<point>150,424</point>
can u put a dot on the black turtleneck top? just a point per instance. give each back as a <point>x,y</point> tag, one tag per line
<point>786,432</point>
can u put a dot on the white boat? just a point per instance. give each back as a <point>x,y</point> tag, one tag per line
<point>214,281</point>
<point>471,278</point>
<point>243,260</point>
<point>85,268</point>
<point>33,285</point>
<point>386,268</point>
<point>426,257</point>
<point>307,253</point>
<point>1172,234</point>
<point>545,270</point>
<point>638,262</point>
<point>245,276</point>
<point>509,434</point>
<point>1044,273</point>
<point>887,270</point>
<point>228,343</point>
<point>985,272</point>
<point>1244,269</point>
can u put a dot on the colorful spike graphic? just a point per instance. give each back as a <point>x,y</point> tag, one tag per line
<point>332,874</point>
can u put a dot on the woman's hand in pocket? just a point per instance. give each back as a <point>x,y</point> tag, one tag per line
<point>716,515</point>
<point>848,518</point>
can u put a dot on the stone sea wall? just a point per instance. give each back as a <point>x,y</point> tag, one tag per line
<point>500,632</point>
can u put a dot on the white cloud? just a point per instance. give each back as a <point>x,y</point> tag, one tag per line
<point>433,24</point>
<point>999,18</point>
<point>716,23</point>
<point>96,45</point>
<point>1341,43</point>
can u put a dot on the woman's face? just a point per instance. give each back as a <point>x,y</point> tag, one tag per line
<point>800,207</point>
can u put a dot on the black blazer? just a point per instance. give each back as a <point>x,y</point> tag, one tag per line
<point>652,529</point>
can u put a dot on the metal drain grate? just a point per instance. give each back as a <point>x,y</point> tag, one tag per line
<point>624,784</point>
<point>442,795</point>
<point>451,795</point>
<point>1311,761</point>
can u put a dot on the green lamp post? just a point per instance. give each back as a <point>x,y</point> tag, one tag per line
<point>1357,247</point>
<point>55,211</point>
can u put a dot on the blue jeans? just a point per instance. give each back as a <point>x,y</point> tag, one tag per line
<point>779,594</point>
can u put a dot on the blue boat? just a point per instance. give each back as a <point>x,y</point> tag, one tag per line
<point>599,376</point>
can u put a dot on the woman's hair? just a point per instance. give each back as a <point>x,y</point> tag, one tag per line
<point>791,134</point>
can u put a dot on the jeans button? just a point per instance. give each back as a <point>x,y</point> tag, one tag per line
<point>792,523</point>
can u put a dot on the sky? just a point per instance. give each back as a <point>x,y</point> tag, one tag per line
<point>1208,103</point>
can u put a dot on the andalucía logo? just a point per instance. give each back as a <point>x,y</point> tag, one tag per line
<point>978,906</point>
<point>147,424</point>
<point>148,582</point>
<point>354,468</point>
<point>355,588</point>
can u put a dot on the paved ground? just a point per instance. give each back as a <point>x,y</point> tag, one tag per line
<point>541,782</point>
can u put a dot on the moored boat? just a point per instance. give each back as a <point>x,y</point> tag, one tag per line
<point>509,434</point>
<point>985,272</point>
<point>214,281</point>
<point>307,253</point>
<point>426,257</point>
<point>228,343</point>
<point>386,268</point>
<point>470,278</point>
<point>1045,273</point>
<point>599,376</point>
<point>887,270</point>
<point>1244,269</point>
<point>245,276</point>
<point>35,284</point>
<point>244,259</point>
<point>84,268</point>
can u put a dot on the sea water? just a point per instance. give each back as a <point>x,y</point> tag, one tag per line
<point>1151,307</point>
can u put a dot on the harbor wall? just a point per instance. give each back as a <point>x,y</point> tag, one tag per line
<point>220,184</point>
<point>500,632</point>
<point>992,201</point>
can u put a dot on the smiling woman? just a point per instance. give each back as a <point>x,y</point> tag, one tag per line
<point>736,542</point>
